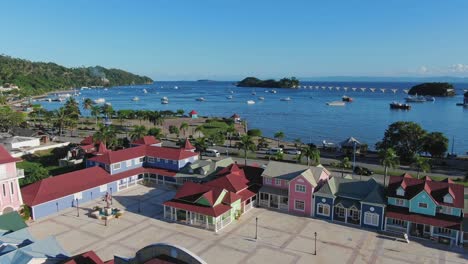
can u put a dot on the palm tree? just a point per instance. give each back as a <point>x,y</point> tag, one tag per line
<point>183,127</point>
<point>199,129</point>
<point>246,143</point>
<point>60,119</point>
<point>155,132</point>
<point>230,130</point>
<point>87,103</point>
<point>388,159</point>
<point>106,134</point>
<point>310,153</point>
<point>297,143</point>
<point>95,111</point>
<point>200,145</point>
<point>279,135</point>
<point>344,164</point>
<point>138,132</point>
<point>423,164</point>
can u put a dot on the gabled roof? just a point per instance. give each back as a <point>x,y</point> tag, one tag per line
<point>289,171</point>
<point>234,180</point>
<point>48,248</point>
<point>87,141</point>
<point>436,189</point>
<point>146,140</point>
<point>88,257</point>
<point>193,112</point>
<point>11,222</point>
<point>102,149</point>
<point>366,191</point>
<point>188,145</point>
<point>5,156</point>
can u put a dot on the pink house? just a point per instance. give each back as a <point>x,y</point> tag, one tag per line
<point>10,195</point>
<point>289,187</point>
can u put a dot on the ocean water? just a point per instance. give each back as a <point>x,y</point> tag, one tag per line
<point>306,116</point>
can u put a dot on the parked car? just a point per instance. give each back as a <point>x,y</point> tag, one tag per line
<point>363,171</point>
<point>292,151</point>
<point>211,153</point>
<point>274,151</point>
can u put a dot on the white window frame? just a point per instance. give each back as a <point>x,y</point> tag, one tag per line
<point>267,180</point>
<point>4,190</point>
<point>400,191</point>
<point>400,202</point>
<point>78,195</point>
<point>151,159</point>
<point>372,216</point>
<point>128,163</point>
<point>425,207</point>
<point>298,188</point>
<point>299,209</point>
<point>12,190</point>
<point>341,211</point>
<point>114,166</point>
<point>323,206</point>
<point>448,198</point>
<point>174,162</point>
<point>141,160</point>
<point>277,181</point>
<point>103,188</point>
<point>166,161</point>
<point>158,160</point>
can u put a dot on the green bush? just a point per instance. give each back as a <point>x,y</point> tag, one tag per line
<point>254,132</point>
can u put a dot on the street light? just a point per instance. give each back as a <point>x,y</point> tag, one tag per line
<point>256,228</point>
<point>315,244</point>
<point>77,208</point>
<point>111,194</point>
<point>354,158</point>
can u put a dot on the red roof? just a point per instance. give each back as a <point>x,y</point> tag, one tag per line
<point>234,181</point>
<point>440,220</point>
<point>188,145</point>
<point>210,211</point>
<point>88,147</point>
<point>102,149</point>
<point>69,183</point>
<point>85,258</point>
<point>436,189</point>
<point>143,150</point>
<point>193,112</point>
<point>146,140</point>
<point>5,156</point>
<point>235,116</point>
<point>87,141</point>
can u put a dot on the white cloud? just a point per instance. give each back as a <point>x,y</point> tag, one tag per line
<point>459,68</point>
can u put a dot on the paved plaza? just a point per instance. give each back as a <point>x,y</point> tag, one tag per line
<point>282,238</point>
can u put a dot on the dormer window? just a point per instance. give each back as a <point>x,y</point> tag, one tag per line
<point>448,198</point>
<point>400,192</point>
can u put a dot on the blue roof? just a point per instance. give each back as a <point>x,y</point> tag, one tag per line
<point>48,248</point>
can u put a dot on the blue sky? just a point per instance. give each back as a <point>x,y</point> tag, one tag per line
<point>231,39</point>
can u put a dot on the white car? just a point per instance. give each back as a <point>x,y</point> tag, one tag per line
<point>211,153</point>
<point>274,151</point>
<point>293,151</point>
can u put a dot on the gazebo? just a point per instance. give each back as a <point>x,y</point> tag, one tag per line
<point>193,114</point>
<point>348,145</point>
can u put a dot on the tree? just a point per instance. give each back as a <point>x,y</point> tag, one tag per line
<point>246,143</point>
<point>344,164</point>
<point>406,138</point>
<point>200,145</point>
<point>183,127</point>
<point>106,134</point>
<point>155,132</point>
<point>297,143</point>
<point>262,143</point>
<point>436,144</point>
<point>107,110</point>
<point>61,119</point>
<point>230,130</point>
<point>174,130</point>
<point>388,159</point>
<point>254,132</point>
<point>95,111</point>
<point>279,136</point>
<point>423,164</point>
<point>199,129</point>
<point>10,118</point>
<point>311,153</point>
<point>72,108</point>
<point>87,103</point>
<point>180,112</point>
<point>34,172</point>
<point>138,132</point>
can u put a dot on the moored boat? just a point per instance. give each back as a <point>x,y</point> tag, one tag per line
<point>346,99</point>
<point>229,97</point>
<point>286,99</point>
<point>415,99</point>
<point>250,102</point>
<point>430,98</point>
<point>336,103</point>
<point>100,101</point>
<point>200,99</point>
<point>396,105</point>
<point>261,98</point>
<point>136,98</point>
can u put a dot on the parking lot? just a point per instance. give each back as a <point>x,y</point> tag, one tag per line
<point>282,238</point>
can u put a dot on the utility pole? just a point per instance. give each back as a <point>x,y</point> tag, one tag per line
<point>256,228</point>
<point>315,244</point>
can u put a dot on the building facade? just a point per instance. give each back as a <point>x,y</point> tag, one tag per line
<point>10,195</point>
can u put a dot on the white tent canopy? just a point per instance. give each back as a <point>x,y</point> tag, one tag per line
<point>350,142</point>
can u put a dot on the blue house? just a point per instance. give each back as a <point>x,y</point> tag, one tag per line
<point>425,208</point>
<point>349,201</point>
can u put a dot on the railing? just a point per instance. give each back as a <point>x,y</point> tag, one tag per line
<point>20,173</point>
<point>264,203</point>
<point>283,206</point>
<point>227,221</point>
<point>395,229</point>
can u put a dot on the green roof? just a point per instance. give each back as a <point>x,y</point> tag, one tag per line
<point>366,191</point>
<point>12,222</point>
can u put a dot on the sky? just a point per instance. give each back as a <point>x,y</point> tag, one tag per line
<point>232,39</point>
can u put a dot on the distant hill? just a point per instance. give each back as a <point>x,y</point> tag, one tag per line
<point>39,77</point>
<point>433,89</point>
<point>255,82</point>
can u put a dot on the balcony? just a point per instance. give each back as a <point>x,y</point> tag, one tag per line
<point>20,173</point>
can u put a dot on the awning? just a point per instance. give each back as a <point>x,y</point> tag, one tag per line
<point>272,190</point>
<point>439,220</point>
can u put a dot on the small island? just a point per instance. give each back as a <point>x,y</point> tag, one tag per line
<point>270,83</point>
<point>433,89</point>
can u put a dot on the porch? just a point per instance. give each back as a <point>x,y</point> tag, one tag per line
<point>274,198</point>
<point>347,211</point>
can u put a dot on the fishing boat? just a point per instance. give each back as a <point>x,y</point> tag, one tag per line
<point>286,99</point>
<point>429,98</point>
<point>164,100</point>
<point>336,103</point>
<point>250,102</point>
<point>229,97</point>
<point>200,99</point>
<point>136,98</point>
<point>415,99</point>
<point>261,98</point>
<point>100,101</point>
<point>346,99</point>
<point>396,105</point>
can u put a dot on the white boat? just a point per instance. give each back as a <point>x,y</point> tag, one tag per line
<point>200,99</point>
<point>229,97</point>
<point>164,100</point>
<point>105,89</point>
<point>84,88</point>
<point>286,99</point>
<point>430,98</point>
<point>100,101</point>
<point>145,91</point>
<point>136,98</point>
<point>261,98</point>
<point>415,99</point>
<point>176,87</point>
<point>336,103</point>
<point>250,102</point>
<point>108,104</point>
<point>273,91</point>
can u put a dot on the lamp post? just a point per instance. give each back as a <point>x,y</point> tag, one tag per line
<point>315,244</point>
<point>111,194</point>
<point>77,208</point>
<point>256,228</point>
<point>354,158</point>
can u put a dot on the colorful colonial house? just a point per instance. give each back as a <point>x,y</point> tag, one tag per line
<point>107,172</point>
<point>10,195</point>
<point>349,201</point>
<point>215,204</point>
<point>289,187</point>
<point>425,208</point>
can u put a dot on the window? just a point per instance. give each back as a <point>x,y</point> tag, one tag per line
<point>141,160</point>
<point>129,163</point>
<point>166,161</point>
<point>354,213</point>
<point>400,192</point>
<point>299,205</point>
<point>158,160</point>
<point>445,210</point>
<point>400,202</point>
<point>4,190</point>
<point>277,181</point>
<point>174,162</point>
<point>103,188</point>
<point>448,199</point>
<point>396,222</point>
<point>442,230</point>
<point>201,218</point>
<point>422,205</point>
<point>300,188</point>
<point>323,209</point>
<point>340,211</point>
<point>150,159</point>
<point>12,188</point>
<point>371,219</point>
<point>268,180</point>
<point>116,166</point>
